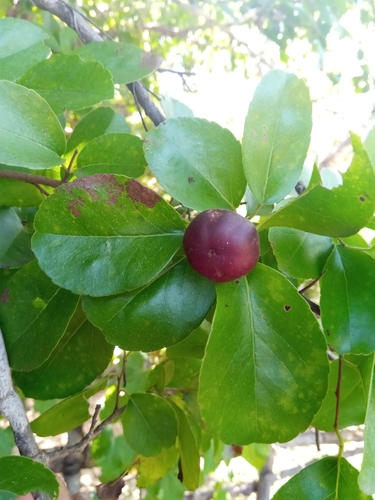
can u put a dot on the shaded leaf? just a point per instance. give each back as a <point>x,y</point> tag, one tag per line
<point>189,453</point>
<point>299,254</point>
<point>127,63</point>
<point>21,475</point>
<point>256,454</point>
<point>68,82</point>
<point>156,316</point>
<point>193,346</point>
<point>347,301</point>
<point>343,211</point>
<point>356,378</point>
<point>150,424</point>
<point>318,482</point>
<point>105,234</point>
<point>264,349</point>
<point>67,414</point>
<point>96,123</point>
<point>197,162</point>
<point>276,135</point>
<point>6,441</point>
<point>81,355</point>
<point>34,315</point>
<point>21,47</point>
<point>112,154</point>
<point>16,228</point>
<point>25,139</point>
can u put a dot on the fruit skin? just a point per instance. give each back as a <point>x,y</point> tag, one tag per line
<point>221,245</point>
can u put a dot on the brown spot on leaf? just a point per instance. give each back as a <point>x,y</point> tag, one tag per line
<point>226,305</point>
<point>328,333</point>
<point>74,206</point>
<point>237,282</point>
<point>265,137</point>
<point>190,180</point>
<point>287,307</point>
<point>24,223</point>
<point>95,183</point>
<point>4,297</point>
<point>140,194</point>
<point>362,198</point>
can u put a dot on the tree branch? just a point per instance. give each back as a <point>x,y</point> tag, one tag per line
<point>78,23</point>
<point>93,432</point>
<point>12,409</point>
<point>30,178</point>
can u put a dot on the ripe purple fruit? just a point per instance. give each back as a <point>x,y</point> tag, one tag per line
<point>221,245</point>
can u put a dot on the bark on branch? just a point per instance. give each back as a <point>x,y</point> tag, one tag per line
<point>81,26</point>
<point>30,178</point>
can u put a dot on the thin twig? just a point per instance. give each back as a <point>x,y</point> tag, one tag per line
<point>133,90</point>
<point>305,288</point>
<point>30,178</point>
<point>119,380</point>
<point>70,166</point>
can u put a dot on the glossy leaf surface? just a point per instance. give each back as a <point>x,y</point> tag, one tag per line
<point>299,254</point>
<point>318,482</point>
<point>276,136</point>
<point>112,154</point>
<point>355,383</point>
<point>150,424</point>
<point>81,355</point>
<point>99,121</point>
<point>88,83</point>
<point>34,315</point>
<point>127,63</point>
<point>38,143</point>
<point>197,162</point>
<point>347,301</point>
<point>264,349</point>
<point>21,475</point>
<point>21,47</point>
<point>343,211</point>
<point>105,234</point>
<point>158,315</point>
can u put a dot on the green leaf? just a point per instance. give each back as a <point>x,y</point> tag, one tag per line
<point>112,154</point>
<point>96,123</point>
<point>34,315</point>
<point>174,108</point>
<point>299,254</point>
<point>14,193</point>
<point>189,453</point>
<point>318,482</point>
<point>256,454</point>
<point>356,378</point>
<point>6,441</point>
<point>67,414</point>
<point>105,234</point>
<point>343,211</point>
<point>366,478</point>
<point>26,140</point>
<point>151,469</point>
<point>112,454</point>
<point>347,301</point>
<point>193,346</point>
<point>276,135</point>
<point>21,475</point>
<point>370,146</point>
<point>264,350</point>
<point>68,82</point>
<point>156,316</point>
<point>150,424</point>
<point>91,353</point>
<point>21,47</point>
<point>197,162</point>
<point>185,375</point>
<point>16,227</point>
<point>126,62</point>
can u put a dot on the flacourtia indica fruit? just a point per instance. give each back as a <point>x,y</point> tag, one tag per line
<point>221,245</point>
